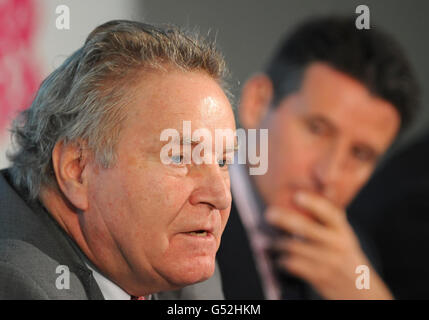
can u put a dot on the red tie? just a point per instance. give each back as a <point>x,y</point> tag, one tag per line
<point>138,298</point>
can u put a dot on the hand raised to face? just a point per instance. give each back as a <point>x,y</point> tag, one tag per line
<point>323,249</point>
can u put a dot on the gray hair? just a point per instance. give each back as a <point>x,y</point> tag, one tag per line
<point>84,99</point>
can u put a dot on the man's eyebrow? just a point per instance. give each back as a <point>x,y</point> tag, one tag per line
<point>184,140</point>
<point>372,149</point>
<point>233,149</point>
<point>322,119</point>
<point>189,141</point>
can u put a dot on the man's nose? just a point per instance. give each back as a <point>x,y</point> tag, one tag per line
<point>328,171</point>
<point>212,187</point>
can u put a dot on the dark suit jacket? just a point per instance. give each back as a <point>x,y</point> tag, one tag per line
<point>393,209</point>
<point>241,279</point>
<point>33,246</point>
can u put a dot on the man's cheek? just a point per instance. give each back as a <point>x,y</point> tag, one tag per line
<point>354,179</point>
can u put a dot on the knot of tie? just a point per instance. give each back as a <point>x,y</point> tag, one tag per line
<point>139,298</point>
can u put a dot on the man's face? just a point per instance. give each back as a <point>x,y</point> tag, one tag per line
<point>326,138</point>
<point>142,212</point>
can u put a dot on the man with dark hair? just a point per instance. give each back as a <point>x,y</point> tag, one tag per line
<point>334,98</point>
<point>369,56</point>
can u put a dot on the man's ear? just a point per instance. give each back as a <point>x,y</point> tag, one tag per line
<point>255,101</point>
<point>69,162</point>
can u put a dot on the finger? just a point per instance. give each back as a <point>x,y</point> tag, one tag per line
<point>295,247</point>
<point>298,225</point>
<point>318,255</point>
<point>300,267</point>
<point>321,208</point>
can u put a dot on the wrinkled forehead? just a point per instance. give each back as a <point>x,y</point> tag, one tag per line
<point>169,99</point>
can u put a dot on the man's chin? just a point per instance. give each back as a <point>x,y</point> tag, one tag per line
<point>191,271</point>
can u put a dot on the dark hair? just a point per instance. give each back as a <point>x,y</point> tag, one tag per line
<point>370,56</point>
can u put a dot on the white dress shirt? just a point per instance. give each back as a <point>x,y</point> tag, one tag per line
<point>109,289</point>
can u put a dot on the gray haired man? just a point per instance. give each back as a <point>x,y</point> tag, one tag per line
<point>87,209</point>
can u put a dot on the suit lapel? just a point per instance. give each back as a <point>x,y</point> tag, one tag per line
<point>240,279</point>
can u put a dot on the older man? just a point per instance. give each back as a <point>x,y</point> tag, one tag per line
<point>334,98</point>
<point>88,209</point>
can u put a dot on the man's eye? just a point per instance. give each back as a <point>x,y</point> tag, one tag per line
<point>363,154</point>
<point>316,127</point>
<point>222,163</point>
<point>177,159</point>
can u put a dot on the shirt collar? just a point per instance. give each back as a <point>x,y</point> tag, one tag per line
<point>109,289</point>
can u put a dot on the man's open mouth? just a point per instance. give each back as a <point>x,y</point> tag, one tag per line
<point>199,233</point>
